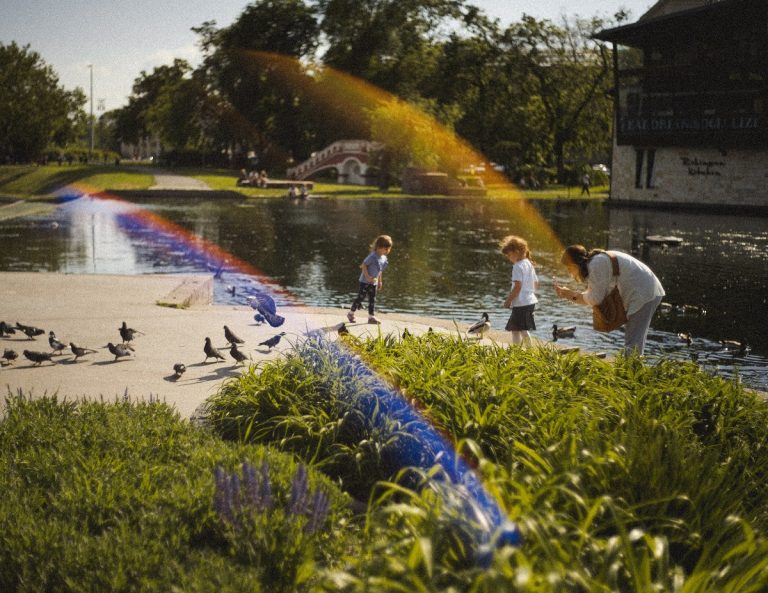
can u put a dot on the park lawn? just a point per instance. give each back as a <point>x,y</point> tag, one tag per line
<point>41,182</point>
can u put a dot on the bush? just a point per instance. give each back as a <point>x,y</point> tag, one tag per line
<point>621,476</point>
<point>121,497</point>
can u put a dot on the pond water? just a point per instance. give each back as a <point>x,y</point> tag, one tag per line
<point>444,263</point>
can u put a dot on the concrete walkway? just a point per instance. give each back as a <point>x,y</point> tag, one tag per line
<point>170,181</point>
<point>89,309</point>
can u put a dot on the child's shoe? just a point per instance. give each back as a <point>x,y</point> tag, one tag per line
<point>373,320</point>
<point>351,316</point>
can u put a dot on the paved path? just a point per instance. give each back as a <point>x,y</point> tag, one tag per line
<point>88,310</point>
<point>165,180</point>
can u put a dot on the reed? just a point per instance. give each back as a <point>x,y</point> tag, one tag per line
<point>621,475</point>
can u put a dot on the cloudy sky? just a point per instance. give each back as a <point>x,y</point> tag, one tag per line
<point>120,39</point>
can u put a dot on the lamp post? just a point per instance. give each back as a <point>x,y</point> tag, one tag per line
<point>90,152</point>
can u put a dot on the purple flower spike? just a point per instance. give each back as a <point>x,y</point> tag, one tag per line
<point>299,492</point>
<point>266,487</point>
<point>251,486</point>
<point>321,504</point>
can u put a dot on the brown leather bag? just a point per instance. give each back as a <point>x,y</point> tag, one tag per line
<point>610,314</point>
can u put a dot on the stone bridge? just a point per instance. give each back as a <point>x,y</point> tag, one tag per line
<point>349,158</point>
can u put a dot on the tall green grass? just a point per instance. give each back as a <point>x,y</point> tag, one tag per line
<point>120,498</point>
<point>622,476</point>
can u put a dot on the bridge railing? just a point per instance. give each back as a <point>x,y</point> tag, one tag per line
<point>334,152</point>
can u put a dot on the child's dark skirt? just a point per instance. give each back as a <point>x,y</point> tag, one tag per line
<point>521,319</point>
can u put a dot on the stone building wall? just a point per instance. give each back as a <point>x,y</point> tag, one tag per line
<point>691,175</point>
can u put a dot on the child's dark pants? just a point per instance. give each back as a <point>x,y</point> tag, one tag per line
<point>368,290</point>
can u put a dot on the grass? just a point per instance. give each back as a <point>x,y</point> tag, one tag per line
<point>621,476</point>
<point>41,182</point>
<point>126,497</point>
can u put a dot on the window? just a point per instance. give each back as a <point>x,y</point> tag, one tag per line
<point>649,168</point>
<point>639,154</point>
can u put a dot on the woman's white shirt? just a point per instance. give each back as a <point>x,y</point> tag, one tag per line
<point>638,285</point>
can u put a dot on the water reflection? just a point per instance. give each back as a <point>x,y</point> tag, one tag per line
<point>444,262</point>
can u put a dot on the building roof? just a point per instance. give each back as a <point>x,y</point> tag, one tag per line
<point>665,15</point>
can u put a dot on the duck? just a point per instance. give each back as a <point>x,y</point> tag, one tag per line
<point>479,328</point>
<point>562,332</point>
<point>735,345</point>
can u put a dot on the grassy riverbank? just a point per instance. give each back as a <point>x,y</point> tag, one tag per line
<point>21,182</point>
<point>620,476</point>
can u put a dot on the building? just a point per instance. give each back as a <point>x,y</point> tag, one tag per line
<point>690,104</point>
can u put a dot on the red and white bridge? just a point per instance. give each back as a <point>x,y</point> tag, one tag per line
<point>350,158</point>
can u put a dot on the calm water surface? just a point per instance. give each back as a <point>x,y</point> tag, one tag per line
<point>444,263</point>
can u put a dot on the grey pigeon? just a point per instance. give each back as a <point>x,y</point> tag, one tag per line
<point>79,351</point>
<point>30,330</point>
<point>237,354</point>
<point>119,350</point>
<point>273,341</point>
<point>128,333</point>
<point>211,351</point>
<point>56,346</point>
<point>38,357</point>
<point>5,329</point>
<point>231,337</point>
<point>179,368</point>
<point>10,355</point>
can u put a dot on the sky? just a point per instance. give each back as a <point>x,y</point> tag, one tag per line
<point>122,39</point>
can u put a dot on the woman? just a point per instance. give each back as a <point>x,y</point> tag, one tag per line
<point>640,289</point>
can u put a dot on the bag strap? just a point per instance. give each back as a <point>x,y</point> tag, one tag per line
<point>614,263</point>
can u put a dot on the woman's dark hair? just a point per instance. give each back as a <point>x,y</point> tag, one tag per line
<point>578,256</point>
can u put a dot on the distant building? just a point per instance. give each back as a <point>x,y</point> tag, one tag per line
<point>690,104</point>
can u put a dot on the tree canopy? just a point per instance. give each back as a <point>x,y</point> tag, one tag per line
<point>34,110</point>
<point>288,77</point>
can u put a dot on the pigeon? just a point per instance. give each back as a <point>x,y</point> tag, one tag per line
<point>343,331</point>
<point>179,369</point>
<point>5,329</point>
<point>37,357</point>
<point>128,333</point>
<point>30,330</point>
<point>232,338</point>
<point>236,354</point>
<point>273,341</point>
<point>259,318</point>
<point>265,305</point>
<point>211,351</point>
<point>56,346</point>
<point>478,329</point>
<point>10,355</point>
<point>119,350</point>
<point>79,351</point>
<point>562,332</point>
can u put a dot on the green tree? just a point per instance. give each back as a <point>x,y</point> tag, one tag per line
<point>35,111</point>
<point>258,67</point>
<point>568,77</point>
<point>389,43</point>
<point>141,117</point>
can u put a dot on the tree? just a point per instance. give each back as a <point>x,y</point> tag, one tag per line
<point>140,117</point>
<point>389,43</point>
<point>35,111</point>
<point>568,77</point>
<point>257,66</point>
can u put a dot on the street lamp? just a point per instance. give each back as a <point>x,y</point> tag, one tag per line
<point>90,152</point>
